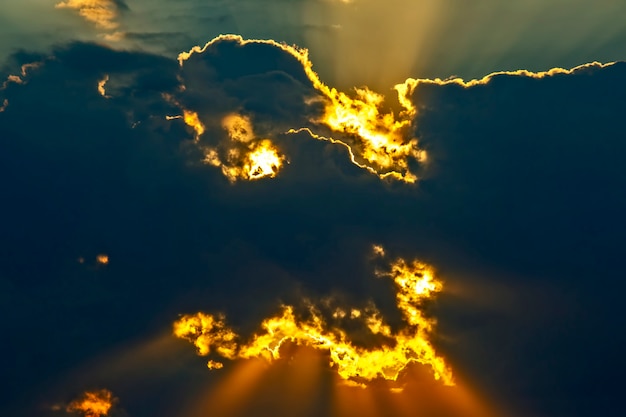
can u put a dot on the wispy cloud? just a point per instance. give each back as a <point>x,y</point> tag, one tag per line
<point>104,14</point>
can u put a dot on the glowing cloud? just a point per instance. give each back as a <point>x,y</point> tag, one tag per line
<point>17,79</point>
<point>378,140</point>
<point>92,404</point>
<point>192,120</point>
<point>414,283</point>
<point>102,259</point>
<point>411,83</point>
<point>241,155</point>
<point>102,13</point>
<point>208,332</point>
<point>101,84</point>
<point>20,79</point>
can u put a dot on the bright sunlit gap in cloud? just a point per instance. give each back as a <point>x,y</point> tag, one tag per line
<point>376,43</point>
<point>378,140</point>
<point>381,43</point>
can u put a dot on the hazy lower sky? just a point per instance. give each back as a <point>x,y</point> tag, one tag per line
<point>371,42</point>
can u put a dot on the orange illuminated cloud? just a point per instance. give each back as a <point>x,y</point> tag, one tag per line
<point>241,155</point>
<point>191,119</point>
<point>414,283</point>
<point>102,259</point>
<point>20,79</point>
<point>102,13</point>
<point>101,84</point>
<point>378,140</point>
<point>92,404</point>
<point>244,155</point>
<point>17,79</point>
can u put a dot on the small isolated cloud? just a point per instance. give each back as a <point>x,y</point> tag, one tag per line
<point>101,86</point>
<point>92,404</point>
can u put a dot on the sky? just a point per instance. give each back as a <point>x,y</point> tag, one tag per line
<point>312,208</point>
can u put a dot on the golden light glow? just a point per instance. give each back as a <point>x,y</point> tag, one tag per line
<point>378,140</point>
<point>13,79</point>
<point>214,365</point>
<point>414,283</point>
<point>192,120</point>
<point>411,83</point>
<point>413,398</point>
<point>101,85</point>
<point>239,128</point>
<point>263,161</point>
<point>19,79</point>
<point>102,13</point>
<point>207,332</point>
<point>243,155</point>
<point>116,36</point>
<point>102,259</point>
<point>230,395</point>
<point>378,250</point>
<point>92,404</point>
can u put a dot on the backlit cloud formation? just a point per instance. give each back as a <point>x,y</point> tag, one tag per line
<point>378,140</point>
<point>411,83</point>
<point>414,283</point>
<point>244,156</point>
<point>92,404</point>
<point>16,79</point>
<point>104,14</point>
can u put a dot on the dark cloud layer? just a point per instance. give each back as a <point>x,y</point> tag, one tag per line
<point>520,212</point>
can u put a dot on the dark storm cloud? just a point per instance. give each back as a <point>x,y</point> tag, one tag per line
<point>523,200</point>
<point>528,176</point>
<point>255,78</point>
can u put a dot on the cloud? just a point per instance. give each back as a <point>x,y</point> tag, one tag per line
<point>93,404</point>
<point>101,84</point>
<point>103,14</point>
<point>378,141</point>
<point>415,284</point>
<point>411,83</point>
<point>17,79</point>
<point>242,155</point>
